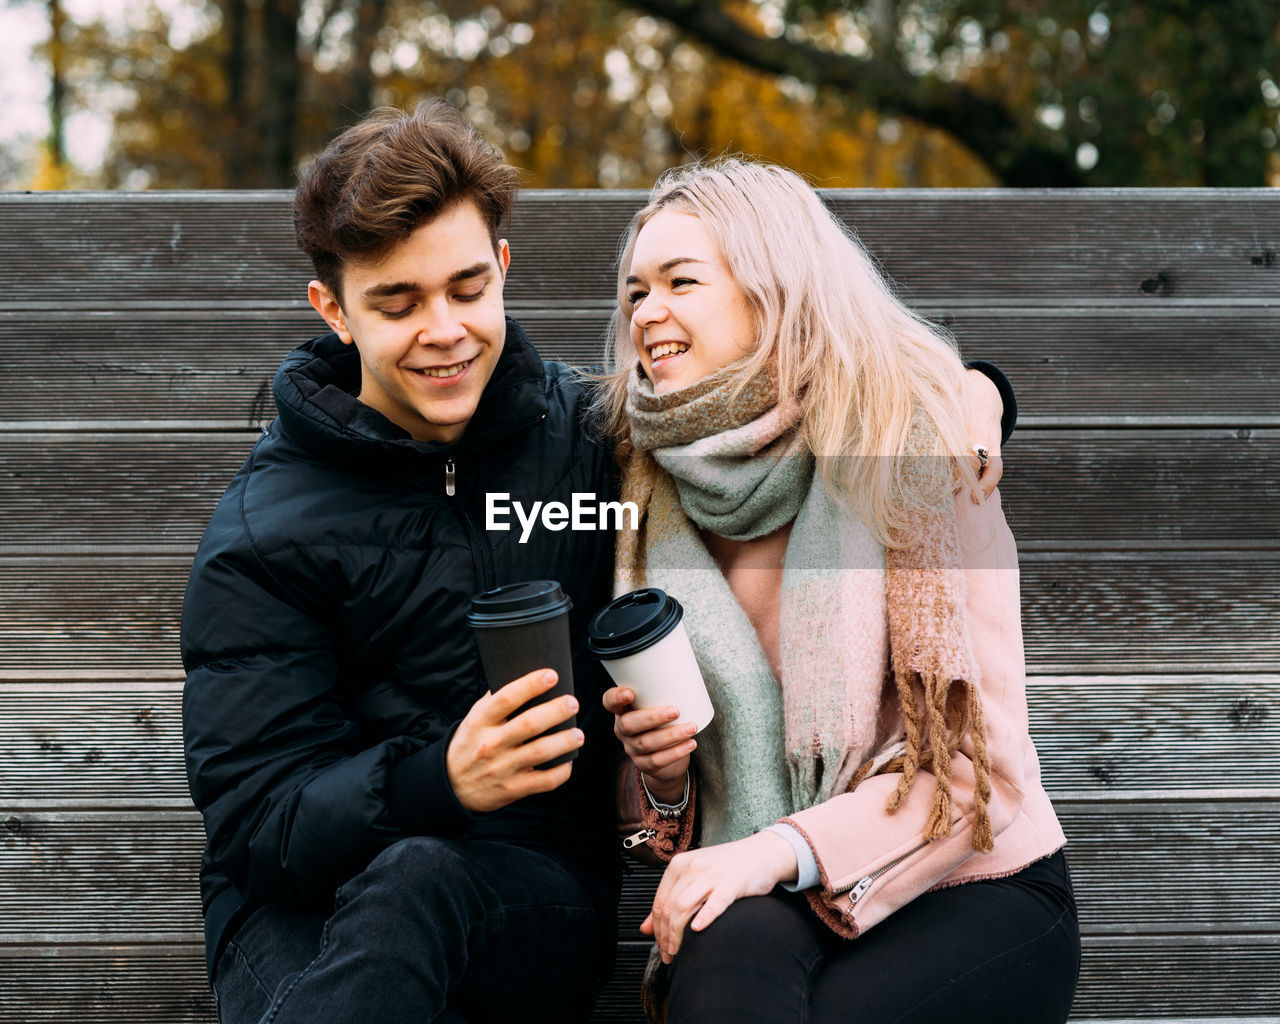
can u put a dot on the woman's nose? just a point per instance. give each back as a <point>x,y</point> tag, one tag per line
<point>650,311</point>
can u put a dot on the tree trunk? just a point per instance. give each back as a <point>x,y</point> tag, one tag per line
<point>240,143</point>
<point>279,105</point>
<point>57,92</point>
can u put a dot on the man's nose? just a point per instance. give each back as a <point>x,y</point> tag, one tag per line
<point>441,326</point>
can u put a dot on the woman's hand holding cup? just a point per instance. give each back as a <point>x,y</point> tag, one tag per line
<point>655,746</point>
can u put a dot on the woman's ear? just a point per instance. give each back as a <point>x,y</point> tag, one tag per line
<point>327,305</point>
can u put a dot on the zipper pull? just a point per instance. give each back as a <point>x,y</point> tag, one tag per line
<point>643,836</point>
<point>450,487</point>
<point>860,890</point>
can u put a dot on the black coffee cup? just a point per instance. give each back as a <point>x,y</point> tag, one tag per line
<point>521,627</point>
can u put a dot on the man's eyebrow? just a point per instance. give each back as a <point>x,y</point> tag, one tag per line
<point>475,270</point>
<point>382,291</point>
<point>663,268</point>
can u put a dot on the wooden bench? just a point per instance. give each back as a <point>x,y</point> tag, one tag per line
<point>138,337</point>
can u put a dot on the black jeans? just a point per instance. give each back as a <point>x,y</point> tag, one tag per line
<point>1002,950</point>
<point>432,930</point>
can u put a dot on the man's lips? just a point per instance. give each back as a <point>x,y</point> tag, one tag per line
<point>443,373</point>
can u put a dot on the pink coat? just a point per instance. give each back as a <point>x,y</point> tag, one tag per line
<point>872,862</point>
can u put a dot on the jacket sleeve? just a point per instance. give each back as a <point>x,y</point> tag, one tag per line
<point>872,862</point>
<point>636,816</point>
<point>294,801</point>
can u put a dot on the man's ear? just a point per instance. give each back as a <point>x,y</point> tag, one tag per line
<point>504,257</point>
<point>327,305</point>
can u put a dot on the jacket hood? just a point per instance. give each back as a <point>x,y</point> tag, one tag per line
<point>315,392</point>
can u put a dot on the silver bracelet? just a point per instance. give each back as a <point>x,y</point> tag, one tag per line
<point>668,810</point>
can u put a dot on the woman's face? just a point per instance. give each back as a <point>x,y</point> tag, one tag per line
<point>689,318</point>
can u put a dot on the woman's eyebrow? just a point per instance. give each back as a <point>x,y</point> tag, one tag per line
<point>664,267</point>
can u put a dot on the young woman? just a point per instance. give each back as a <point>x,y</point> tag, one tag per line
<point>873,843</point>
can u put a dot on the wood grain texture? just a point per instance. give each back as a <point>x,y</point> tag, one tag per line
<point>1083,613</point>
<point>1021,247</point>
<point>1155,983</point>
<point>1140,869</point>
<point>1063,490</point>
<point>75,745</point>
<point>1069,365</point>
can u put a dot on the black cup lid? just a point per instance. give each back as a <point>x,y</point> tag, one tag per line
<point>633,622</point>
<point>517,603</point>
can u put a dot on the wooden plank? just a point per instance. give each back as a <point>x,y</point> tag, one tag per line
<point>1162,984</point>
<point>116,984</point>
<point>1022,247</point>
<point>1153,869</point>
<point>66,745</point>
<point>80,744</point>
<point>1063,490</point>
<point>1083,614</point>
<point>157,366</point>
<point>1099,735</point>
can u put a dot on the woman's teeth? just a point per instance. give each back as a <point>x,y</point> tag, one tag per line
<point>447,371</point>
<point>670,349</point>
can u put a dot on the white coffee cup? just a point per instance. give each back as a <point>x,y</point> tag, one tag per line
<point>641,641</point>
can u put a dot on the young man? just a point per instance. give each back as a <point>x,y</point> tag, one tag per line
<point>339,736</point>
<point>380,843</point>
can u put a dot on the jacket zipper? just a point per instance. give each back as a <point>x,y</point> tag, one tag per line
<point>643,836</point>
<point>481,554</point>
<point>859,888</point>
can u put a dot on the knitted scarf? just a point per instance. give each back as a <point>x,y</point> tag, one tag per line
<point>860,624</point>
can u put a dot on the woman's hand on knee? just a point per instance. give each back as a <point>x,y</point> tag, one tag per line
<point>659,749</point>
<point>700,885</point>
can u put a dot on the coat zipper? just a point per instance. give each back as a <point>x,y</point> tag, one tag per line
<point>643,836</point>
<point>859,888</point>
<point>482,556</point>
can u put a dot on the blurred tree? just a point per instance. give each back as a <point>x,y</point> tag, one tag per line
<point>1067,92</point>
<point>607,93</point>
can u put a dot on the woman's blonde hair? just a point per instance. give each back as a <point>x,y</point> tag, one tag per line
<point>841,344</point>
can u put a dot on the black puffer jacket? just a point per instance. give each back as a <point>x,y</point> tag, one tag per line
<point>324,635</point>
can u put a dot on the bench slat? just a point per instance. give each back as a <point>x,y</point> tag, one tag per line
<point>1166,982</point>
<point>1086,247</point>
<point>1088,362</point>
<point>75,745</point>
<point>1152,611</point>
<point>1205,488</point>
<point>1137,867</point>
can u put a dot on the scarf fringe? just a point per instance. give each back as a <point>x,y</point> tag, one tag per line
<point>942,704</point>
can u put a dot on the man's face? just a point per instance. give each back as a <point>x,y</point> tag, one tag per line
<point>428,322</point>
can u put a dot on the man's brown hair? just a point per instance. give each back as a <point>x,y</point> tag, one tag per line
<point>386,176</point>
